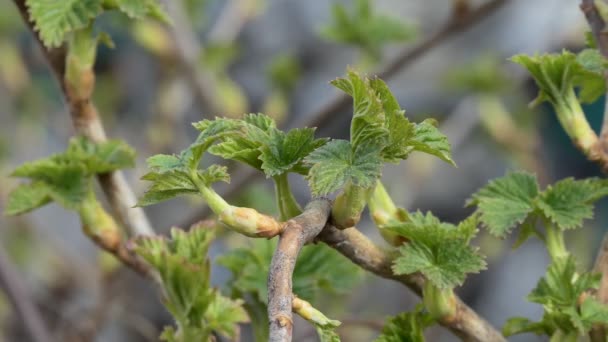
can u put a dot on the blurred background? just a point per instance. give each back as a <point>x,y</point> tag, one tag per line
<point>229,57</point>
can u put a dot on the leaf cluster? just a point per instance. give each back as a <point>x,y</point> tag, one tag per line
<point>379,133</point>
<point>66,178</point>
<point>567,308</point>
<point>318,269</point>
<point>365,29</point>
<point>184,270</point>
<point>438,250</point>
<point>55,20</point>
<point>516,198</point>
<point>558,73</point>
<point>407,326</point>
<point>256,141</point>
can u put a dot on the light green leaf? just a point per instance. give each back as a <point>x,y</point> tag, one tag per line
<point>27,197</point>
<point>327,334</point>
<point>214,173</point>
<point>591,312</point>
<point>185,271</point>
<point>506,202</point>
<point>365,29</point>
<point>519,325</point>
<point>367,127</point>
<point>140,9</point>
<point>440,251</point>
<point>562,286</point>
<point>319,269</point>
<point>102,157</point>
<point>400,129</point>
<point>55,19</point>
<point>335,164</point>
<point>284,152</point>
<point>166,186</point>
<point>428,139</point>
<point>569,202</point>
<point>407,326</point>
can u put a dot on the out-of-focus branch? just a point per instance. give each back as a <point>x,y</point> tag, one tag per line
<point>458,23</point>
<point>188,50</point>
<point>230,22</point>
<point>25,309</point>
<point>351,243</point>
<point>298,231</point>
<point>86,122</point>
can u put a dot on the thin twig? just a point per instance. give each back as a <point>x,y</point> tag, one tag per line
<point>86,122</point>
<point>230,22</point>
<point>188,50</point>
<point>351,243</point>
<point>299,231</point>
<point>25,309</point>
<point>327,113</point>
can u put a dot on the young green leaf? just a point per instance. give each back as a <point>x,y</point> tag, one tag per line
<point>368,125</point>
<point>184,270</point>
<point>284,151</point>
<point>560,292</point>
<point>506,202</point>
<point>55,19</point>
<point>562,286</point>
<point>407,326</point>
<point>438,250</point>
<point>140,9</point>
<point>556,76</point>
<point>428,139</point>
<point>108,156</point>
<point>335,164</point>
<point>569,202</point>
<point>318,269</point>
<point>257,142</point>
<point>27,197</point>
<point>365,29</point>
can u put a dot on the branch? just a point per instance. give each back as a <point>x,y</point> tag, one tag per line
<point>600,153</point>
<point>25,309</point>
<point>87,123</point>
<point>298,231</point>
<point>597,24</point>
<point>327,113</point>
<point>465,323</point>
<point>188,49</point>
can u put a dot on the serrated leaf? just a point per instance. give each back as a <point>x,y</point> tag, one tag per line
<point>519,325</point>
<point>365,29</point>
<point>400,129</point>
<point>284,152</point>
<point>569,202</point>
<point>428,139</point>
<point>506,202</point>
<point>214,173</point>
<point>557,74</point>
<point>562,286</point>
<point>102,157</point>
<point>591,312</point>
<point>166,185</point>
<point>367,126</point>
<point>140,9</point>
<point>440,251</point>
<point>318,269</point>
<point>327,334</point>
<point>27,197</point>
<point>55,19</point>
<point>406,327</point>
<point>335,164</point>
<point>185,271</point>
